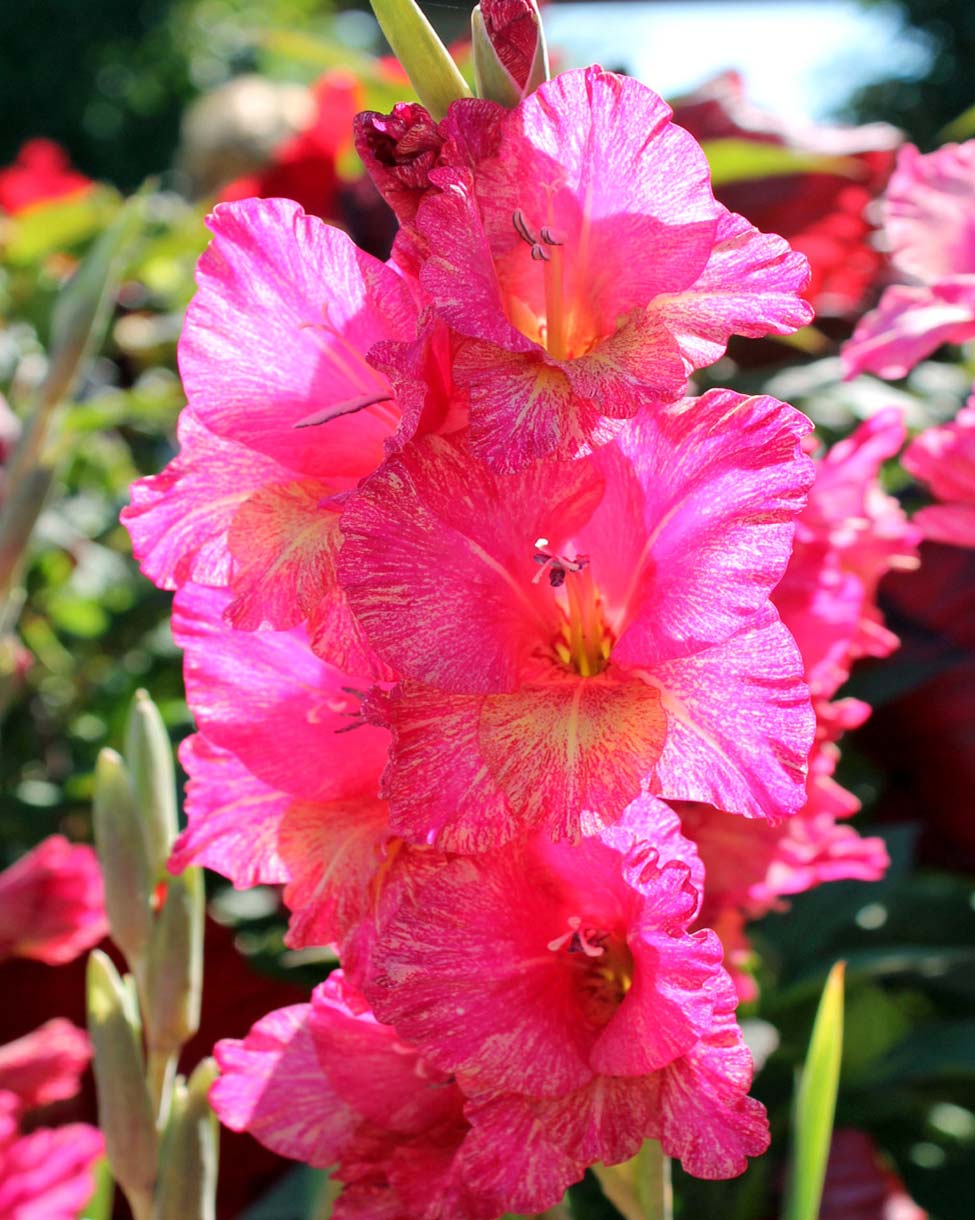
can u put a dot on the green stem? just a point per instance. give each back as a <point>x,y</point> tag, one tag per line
<point>640,1189</point>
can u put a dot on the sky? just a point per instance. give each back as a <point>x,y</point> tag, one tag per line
<point>800,58</point>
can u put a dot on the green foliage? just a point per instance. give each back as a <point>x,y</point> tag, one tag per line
<point>815,1104</point>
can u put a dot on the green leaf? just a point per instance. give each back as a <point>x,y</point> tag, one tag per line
<point>426,61</point>
<point>961,128</point>
<point>743,160</point>
<point>99,1206</point>
<point>815,1104</point>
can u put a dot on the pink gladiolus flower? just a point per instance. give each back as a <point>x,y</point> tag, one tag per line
<point>325,1083</point>
<point>944,458</point>
<point>557,633</point>
<point>575,243</point>
<point>51,903</point>
<point>576,1010</point>
<point>930,223</point>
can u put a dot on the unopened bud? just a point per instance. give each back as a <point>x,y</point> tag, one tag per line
<point>124,1108</point>
<point>120,842</point>
<point>510,54</point>
<point>187,1184</point>
<point>426,61</point>
<point>149,756</point>
<point>174,975</point>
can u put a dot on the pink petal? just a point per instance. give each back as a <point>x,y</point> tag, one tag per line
<point>46,1065</point>
<point>707,1120</point>
<point>739,724</point>
<point>909,324</point>
<point>48,1175</point>
<point>179,519</point>
<point>331,853</point>
<point>930,203</point>
<point>234,819</point>
<point>951,523</point>
<point>710,499</point>
<point>750,286</point>
<point>273,1085</point>
<point>285,315</point>
<point>51,903</point>
<point>239,684</point>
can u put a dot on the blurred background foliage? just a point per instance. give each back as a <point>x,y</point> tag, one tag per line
<point>111,80</point>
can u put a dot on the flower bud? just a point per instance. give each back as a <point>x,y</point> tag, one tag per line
<point>149,756</point>
<point>426,61</point>
<point>188,1167</point>
<point>174,975</point>
<point>124,1109</point>
<point>510,55</point>
<point>120,842</point>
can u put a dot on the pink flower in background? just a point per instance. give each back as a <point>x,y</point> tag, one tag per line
<point>944,459</point>
<point>850,534</point>
<point>575,243</point>
<point>930,224</point>
<point>51,903</point>
<point>45,1065</point>
<point>46,1174</point>
<point>41,172</point>
<point>556,632</point>
<point>576,1008</point>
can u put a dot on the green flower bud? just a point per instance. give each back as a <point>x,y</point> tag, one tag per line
<point>426,61</point>
<point>493,42</point>
<point>125,1113</point>
<point>174,973</point>
<point>120,841</point>
<point>187,1184</point>
<point>149,756</point>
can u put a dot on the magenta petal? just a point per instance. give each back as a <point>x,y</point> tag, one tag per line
<point>750,286</point>
<point>51,903</point>
<point>273,1085</point>
<point>234,818</point>
<point>285,315</point>
<point>721,479</point>
<point>909,324</point>
<point>739,724</point>
<point>45,1065</point>
<point>179,519</point>
<point>49,1174</point>
<point>708,1121</point>
<point>240,683</point>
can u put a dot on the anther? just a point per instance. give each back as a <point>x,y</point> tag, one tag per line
<point>522,229</point>
<point>550,238</point>
<point>540,254</point>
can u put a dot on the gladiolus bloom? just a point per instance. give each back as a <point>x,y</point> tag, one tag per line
<point>557,632</point>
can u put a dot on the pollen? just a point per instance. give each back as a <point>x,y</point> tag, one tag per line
<point>602,965</point>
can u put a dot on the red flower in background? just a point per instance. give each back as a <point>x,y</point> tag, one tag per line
<point>822,214</point>
<point>40,172</point>
<point>51,904</point>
